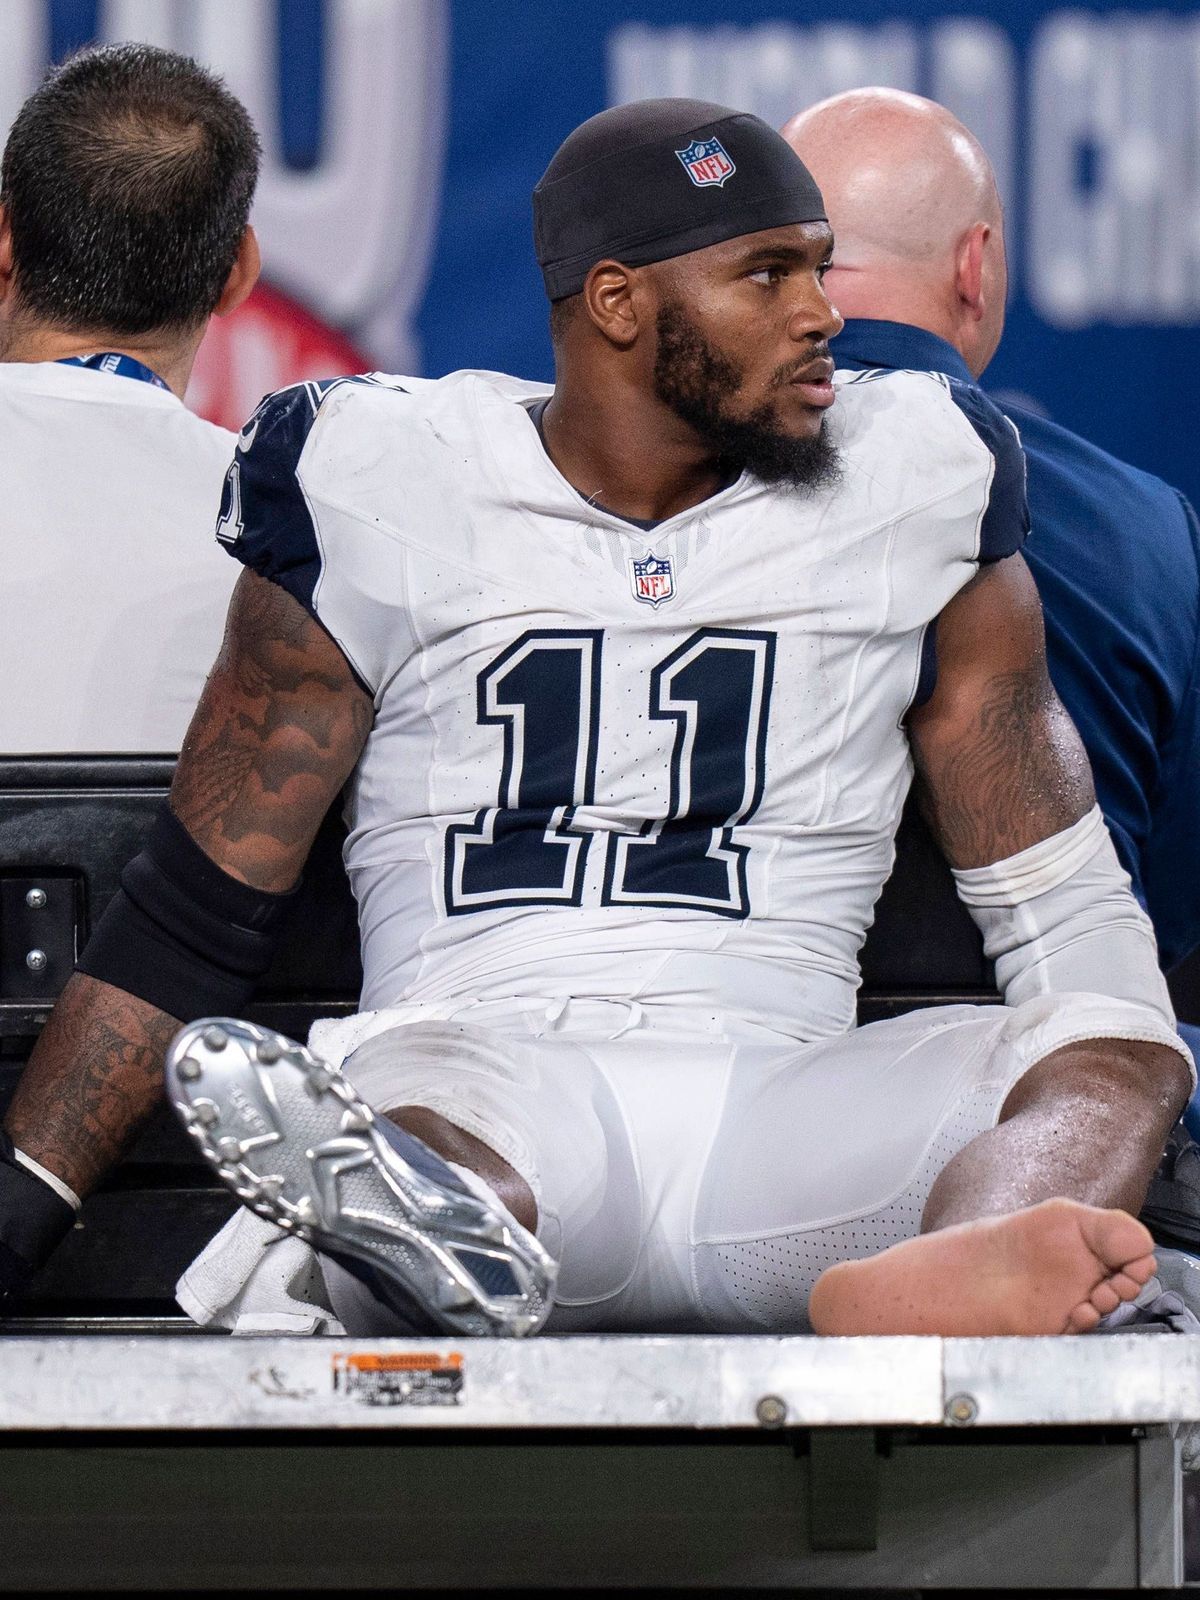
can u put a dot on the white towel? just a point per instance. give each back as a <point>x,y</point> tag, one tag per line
<point>254,1278</point>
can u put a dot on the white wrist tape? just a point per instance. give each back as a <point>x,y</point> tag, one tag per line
<point>1060,917</point>
<point>63,1190</point>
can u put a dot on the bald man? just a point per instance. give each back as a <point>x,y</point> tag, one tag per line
<point>919,274</point>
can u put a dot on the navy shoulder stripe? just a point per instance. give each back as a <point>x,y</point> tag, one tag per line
<point>1005,525</point>
<point>264,518</point>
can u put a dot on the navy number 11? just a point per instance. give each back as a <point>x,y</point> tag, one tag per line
<point>544,691</point>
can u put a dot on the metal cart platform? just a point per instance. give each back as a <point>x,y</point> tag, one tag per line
<point>166,1461</point>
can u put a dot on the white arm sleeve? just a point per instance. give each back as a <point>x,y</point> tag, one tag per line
<point>1061,917</point>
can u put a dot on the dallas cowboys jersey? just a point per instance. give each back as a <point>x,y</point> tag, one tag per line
<point>663,766</point>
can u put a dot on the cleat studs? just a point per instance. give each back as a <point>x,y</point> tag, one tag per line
<point>268,1052</point>
<point>355,1122</point>
<point>188,1069</point>
<point>205,1113</point>
<point>319,1079</point>
<point>215,1038</point>
<point>229,1149</point>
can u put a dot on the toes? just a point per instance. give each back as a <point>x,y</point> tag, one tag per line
<point>1106,1297</point>
<point>1141,1270</point>
<point>1083,1319</point>
<point>1119,1240</point>
<point>1128,1285</point>
<point>1133,1277</point>
<point>1120,1287</point>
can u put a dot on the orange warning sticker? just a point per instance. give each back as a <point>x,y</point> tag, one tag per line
<point>400,1377</point>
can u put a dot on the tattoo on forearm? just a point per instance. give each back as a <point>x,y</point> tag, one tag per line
<point>94,1076</point>
<point>277,733</point>
<point>1018,776</point>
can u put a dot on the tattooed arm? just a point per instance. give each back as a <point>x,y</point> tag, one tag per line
<point>999,763</point>
<point>278,730</point>
<point>1001,768</point>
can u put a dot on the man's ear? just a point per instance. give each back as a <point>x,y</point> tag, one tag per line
<point>243,275</point>
<point>8,271</point>
<point>968,275</point>
<point>610,301</point>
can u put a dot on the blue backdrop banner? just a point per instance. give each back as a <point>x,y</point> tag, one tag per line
<point>403,138</point>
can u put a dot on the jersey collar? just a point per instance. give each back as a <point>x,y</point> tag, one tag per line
<point>120,366</point>
<point>864,342</point>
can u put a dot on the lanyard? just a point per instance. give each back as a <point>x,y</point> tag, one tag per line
<point>122,366</point>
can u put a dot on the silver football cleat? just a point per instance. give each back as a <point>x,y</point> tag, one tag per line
<point>294,1142</point>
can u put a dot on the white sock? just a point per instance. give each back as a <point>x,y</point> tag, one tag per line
<point>479,1187</point>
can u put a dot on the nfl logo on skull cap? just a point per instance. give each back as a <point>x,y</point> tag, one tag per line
<point>652,579</point>
<point>706,161</point>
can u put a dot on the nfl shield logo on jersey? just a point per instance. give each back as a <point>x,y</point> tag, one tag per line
<point>706,161</point>
<point>652,579</point>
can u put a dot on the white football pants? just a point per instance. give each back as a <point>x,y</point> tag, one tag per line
<point>699,1185</point>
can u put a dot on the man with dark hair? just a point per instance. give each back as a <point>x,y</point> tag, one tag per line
<point>629,678</point>
<point>125,195</point>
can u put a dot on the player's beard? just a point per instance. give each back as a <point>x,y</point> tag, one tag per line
<point>697,382</point>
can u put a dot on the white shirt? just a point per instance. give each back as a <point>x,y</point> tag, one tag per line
<point>659,766</point>
<point>114,592</point>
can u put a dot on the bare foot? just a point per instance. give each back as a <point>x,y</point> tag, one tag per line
<point>1057,1267</point>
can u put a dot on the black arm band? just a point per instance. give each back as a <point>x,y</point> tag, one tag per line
<point>181,933</point>
<point>33,1219</point>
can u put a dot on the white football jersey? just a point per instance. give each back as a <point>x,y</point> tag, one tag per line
<point>659,766</point>
<point>114,594</point>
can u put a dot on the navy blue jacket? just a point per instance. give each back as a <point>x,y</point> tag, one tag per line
<point>1116,556</point>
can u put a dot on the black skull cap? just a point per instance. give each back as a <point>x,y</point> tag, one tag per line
<point>659,178</point>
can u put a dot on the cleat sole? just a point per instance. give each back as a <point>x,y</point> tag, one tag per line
<point>288,1134</point>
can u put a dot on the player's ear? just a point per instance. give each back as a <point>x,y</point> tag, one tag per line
<point>608,298</point>
<point>243,275</point>
<point>969,272</point>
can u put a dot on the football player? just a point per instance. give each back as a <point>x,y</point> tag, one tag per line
<point>630,678</point>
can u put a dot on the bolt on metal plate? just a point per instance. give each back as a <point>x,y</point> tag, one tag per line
<point>962,1409</point>
<point>771,1411</point>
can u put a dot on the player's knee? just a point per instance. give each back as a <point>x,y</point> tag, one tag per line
<point>470,1091</point>
<point>1067,1028</point>
<point>546,1112</point>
